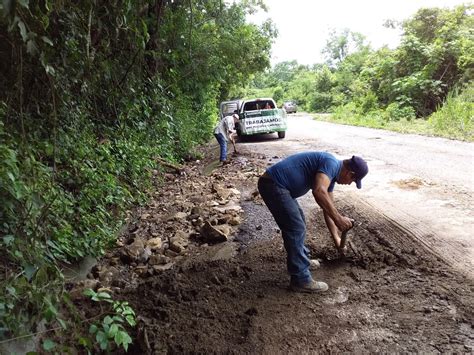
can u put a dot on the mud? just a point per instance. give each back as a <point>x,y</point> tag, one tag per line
<point>389,294</point>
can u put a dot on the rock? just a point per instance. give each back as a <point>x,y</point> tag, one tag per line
<point>234,192</point>
<point>78,290</point>
<point>224,251</point>
<point>154,243</point>
<point>180,215</point>
<point>223,193</point>
<point>224,229</point>
<point>186,206</point>
<point>196,212</point>
<point>212,235</point>
<point>107,275</point>
<point>171,253</point>
<point>177,246</point>
<point>160,268</point>
<point>230,218</point>
<point>197,199</point>
<point>228,207</point>
<point>119,283</point>
<point>133,251</point>
<point>198,222</point>
<point>114,261</point>
<point>141,270</point>
<point>104,289</point>
<point>181,235</point>
<point>158,260</point>
<point>235,221</point>
<point>145,255</point>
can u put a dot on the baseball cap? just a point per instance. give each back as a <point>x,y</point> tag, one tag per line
<point>360,169</point>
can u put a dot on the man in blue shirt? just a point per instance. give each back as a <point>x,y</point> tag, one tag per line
<point>293,177</point>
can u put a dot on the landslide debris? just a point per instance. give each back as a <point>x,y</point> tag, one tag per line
<point>187,213</point>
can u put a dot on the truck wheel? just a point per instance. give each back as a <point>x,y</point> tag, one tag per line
<point>281,134</point>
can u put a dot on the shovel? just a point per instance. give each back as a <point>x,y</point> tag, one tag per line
<point>232,140</point>
<point>344,235</point>
<point>345,240</point>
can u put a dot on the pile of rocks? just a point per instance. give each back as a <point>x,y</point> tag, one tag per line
<point>188,212</point>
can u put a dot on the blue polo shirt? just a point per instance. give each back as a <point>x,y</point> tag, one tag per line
<point>297,172</point>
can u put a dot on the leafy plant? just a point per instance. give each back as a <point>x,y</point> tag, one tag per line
<point>112,328</point>
<point>456,116</point>
<point>90,94</point>
<point>396,112</point>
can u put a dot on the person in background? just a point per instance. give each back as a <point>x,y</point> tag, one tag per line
<point>223,133</point>
<point>293,177</point>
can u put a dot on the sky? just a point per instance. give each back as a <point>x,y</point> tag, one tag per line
<point>304,25</point>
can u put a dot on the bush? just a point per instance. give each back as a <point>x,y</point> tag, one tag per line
<point>395,112</point>
<point>278,94</point>
<point>366,103</point>
<point>456,117</point>
<point>90,94</point>
<point>321,102</point>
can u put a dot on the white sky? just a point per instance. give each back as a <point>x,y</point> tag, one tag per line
<point>304,25</point>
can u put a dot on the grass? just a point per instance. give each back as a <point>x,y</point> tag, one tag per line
<point>418,126</point>
<point>453,120</point>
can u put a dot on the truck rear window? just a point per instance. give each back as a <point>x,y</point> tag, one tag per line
<point>258,105</point>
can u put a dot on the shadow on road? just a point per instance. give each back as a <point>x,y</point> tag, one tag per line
<point>258,138</point>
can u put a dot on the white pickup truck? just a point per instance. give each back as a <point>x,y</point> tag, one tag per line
<point>259,116</point>
<point>227,108</point>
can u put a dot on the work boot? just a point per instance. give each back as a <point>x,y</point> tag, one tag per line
<point>314,264</point>
<point>309,287</point>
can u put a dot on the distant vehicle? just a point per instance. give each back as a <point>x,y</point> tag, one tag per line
<point>289,107</point>
<point>261,115</point>
<point>227,108</point>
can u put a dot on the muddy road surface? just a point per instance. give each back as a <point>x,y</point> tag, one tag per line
<point>425,184</point>
<point>203,263</point>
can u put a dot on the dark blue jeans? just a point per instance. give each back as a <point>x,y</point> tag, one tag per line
<point>290,218</point>
<point>223,145</point>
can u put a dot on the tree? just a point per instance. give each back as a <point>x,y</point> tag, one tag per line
<point>340,44</point>
<point>435,55</point>
<point>91,93</point>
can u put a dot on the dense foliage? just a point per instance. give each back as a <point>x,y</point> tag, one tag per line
<point>90,94</point>
<point>432,67</point>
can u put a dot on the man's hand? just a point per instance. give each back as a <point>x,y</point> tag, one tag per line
<point>343,223</point>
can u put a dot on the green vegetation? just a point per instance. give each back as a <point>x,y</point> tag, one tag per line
<point>111,331</point>
<point>456,117</point>
<point>425,85</point>
<point>90,94</point>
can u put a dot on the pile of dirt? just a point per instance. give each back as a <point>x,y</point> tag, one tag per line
<point>188,213</point>
<point>204,268</point>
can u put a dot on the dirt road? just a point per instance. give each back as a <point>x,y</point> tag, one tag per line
<point>424,184</point>
<point>397,293</point>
